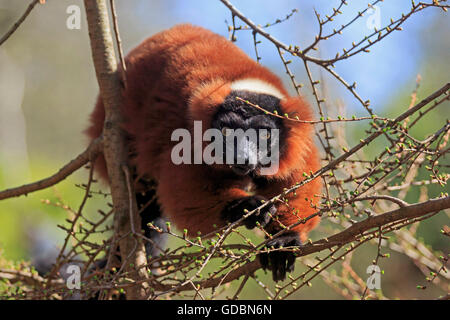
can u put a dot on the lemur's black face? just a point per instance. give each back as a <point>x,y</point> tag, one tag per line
<point>261,134</point>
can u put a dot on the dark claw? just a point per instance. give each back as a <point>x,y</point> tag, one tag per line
<point>280,262</point>
<point>235,210</point>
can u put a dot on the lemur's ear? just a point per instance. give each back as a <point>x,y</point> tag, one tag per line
<point>296,107</point>
<point>298,135</point>
<point>206,99</point>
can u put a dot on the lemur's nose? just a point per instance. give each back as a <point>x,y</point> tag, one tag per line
<point>246,152</point>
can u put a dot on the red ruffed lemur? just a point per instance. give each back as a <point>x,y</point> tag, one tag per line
<point>187,74</point>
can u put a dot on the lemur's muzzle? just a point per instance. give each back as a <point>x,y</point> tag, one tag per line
<point>245,156</point>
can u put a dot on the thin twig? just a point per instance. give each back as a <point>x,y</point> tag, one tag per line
<point>19,22</point>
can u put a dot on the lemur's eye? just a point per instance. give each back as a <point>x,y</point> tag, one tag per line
<point>265,134</point>
<point>226,131</point>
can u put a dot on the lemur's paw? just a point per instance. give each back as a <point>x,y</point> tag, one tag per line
<point>235,210</point>
<point>280,262</point>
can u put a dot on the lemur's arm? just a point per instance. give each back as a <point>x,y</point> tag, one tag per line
<point>300,205</point>
<point>194,200</point>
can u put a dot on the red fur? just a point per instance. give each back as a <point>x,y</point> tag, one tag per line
<point>184,74</point>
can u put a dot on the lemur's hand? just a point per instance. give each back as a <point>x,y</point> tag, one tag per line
<point>280,262</point>
<point>235,210</point>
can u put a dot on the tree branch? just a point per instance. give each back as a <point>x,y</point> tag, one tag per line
<point>90,153</point>
<point>19,22</point>
<point>341,238</point>
<point>132,249</point>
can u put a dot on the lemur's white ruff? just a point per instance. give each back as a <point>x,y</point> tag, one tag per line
<point>258,86</point>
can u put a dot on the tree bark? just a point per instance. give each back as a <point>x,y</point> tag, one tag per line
<point>132,249</point>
